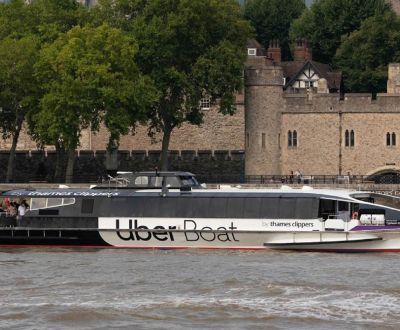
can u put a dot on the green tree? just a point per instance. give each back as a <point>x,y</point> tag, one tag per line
<point>191,49</point>
<point>44,18</point>
<point>271,19</point>
<point>324,24</point>
<point>15,19</point>
<point>117,13</point>
<point>18,89</point>
<point>23,29</point>
<point>89,76</point>
<point>48,18</point>
<point>364,54</point>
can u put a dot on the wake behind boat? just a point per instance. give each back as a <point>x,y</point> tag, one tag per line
<point>171,210</point>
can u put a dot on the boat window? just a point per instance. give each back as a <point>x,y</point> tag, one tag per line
<point>165,207</point>
<point>306,208</point>
<point>51,202</point>
<point>142,181</point>
<point>38,203</point>
<point>189,181</point>
<point>87,205</point>
<point>172,181</point>
<point>269,208</point>
<point>252,208</point>
<point>343,206</point>
<point>327,207</point>
<point>234,207</point>
<point>199,207</point>
<point>287,208</point>
<point>386,200</point>
<point>68,201</point>
<point>43,203</point>
<point>218,207</point>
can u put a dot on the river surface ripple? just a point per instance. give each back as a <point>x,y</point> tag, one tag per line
<point>142,289</point>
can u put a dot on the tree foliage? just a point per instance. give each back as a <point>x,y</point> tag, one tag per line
<point>324,24</point>
<point>116,13</point>
<point>364,54</point>
<point>44,18</point>
<point>88,76</point>
<point>18,89</point>
<point>271,19</point>
<point>191,48</point>
<point>23,30</point>
<point>51,17</point>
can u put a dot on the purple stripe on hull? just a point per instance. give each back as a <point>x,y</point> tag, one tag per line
<point>372,227</point>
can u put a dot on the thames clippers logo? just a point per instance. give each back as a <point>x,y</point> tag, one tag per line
<point>191,230</point>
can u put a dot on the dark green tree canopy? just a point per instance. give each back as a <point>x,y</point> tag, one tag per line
<point>190,48</point>
<point>45,18</point>
<point>324,24</point>
<point>271,19</point>
<point>89,75</point>
<point>364,54</point>
<point>18,90</point>
<point>181,44</point>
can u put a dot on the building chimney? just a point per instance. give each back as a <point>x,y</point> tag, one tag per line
<point>301,52</point>
<point>274,51</point>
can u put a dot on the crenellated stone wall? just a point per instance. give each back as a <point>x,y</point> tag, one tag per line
<point>209,166</point>
<point>321,123</point>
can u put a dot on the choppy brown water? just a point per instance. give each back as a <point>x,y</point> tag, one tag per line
<point>133,289</point>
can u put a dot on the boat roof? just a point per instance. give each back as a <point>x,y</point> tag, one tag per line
<point>226,192</point>
<point>157,173</point>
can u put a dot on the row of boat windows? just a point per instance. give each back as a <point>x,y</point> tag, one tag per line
<point>213,207</point>
<point>44,203</point>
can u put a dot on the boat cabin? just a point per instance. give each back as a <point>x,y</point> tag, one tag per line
<point>151,180</point>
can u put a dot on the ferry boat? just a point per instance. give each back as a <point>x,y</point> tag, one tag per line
<point>171,210</point>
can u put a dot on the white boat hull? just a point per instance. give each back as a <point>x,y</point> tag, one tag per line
<point>313,241</point>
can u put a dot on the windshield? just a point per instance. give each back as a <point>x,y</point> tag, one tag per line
<point>189,181</point>
<point>380,199</point>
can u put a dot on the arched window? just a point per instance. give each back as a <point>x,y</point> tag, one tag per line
<point>393,139</point>
<point>352,138</point>
<point>347,138</point>
<point>388,140</point>
<point>289,139</point>
<point>294,139</point>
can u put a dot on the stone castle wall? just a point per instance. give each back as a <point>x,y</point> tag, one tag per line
<point>218,132</point>
<point>321,122</point>
<point>219,166</point>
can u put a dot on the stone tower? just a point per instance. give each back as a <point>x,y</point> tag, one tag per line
<point>263,102</point>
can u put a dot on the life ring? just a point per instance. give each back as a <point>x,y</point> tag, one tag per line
<point>354,215</point>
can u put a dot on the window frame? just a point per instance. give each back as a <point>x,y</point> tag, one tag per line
<point>349,138</point>
<point>205,102</point>
<point>252,51</point>
<point>390,139</point>
<point>292,139</point>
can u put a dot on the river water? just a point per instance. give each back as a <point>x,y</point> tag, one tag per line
<point>155,289</point>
